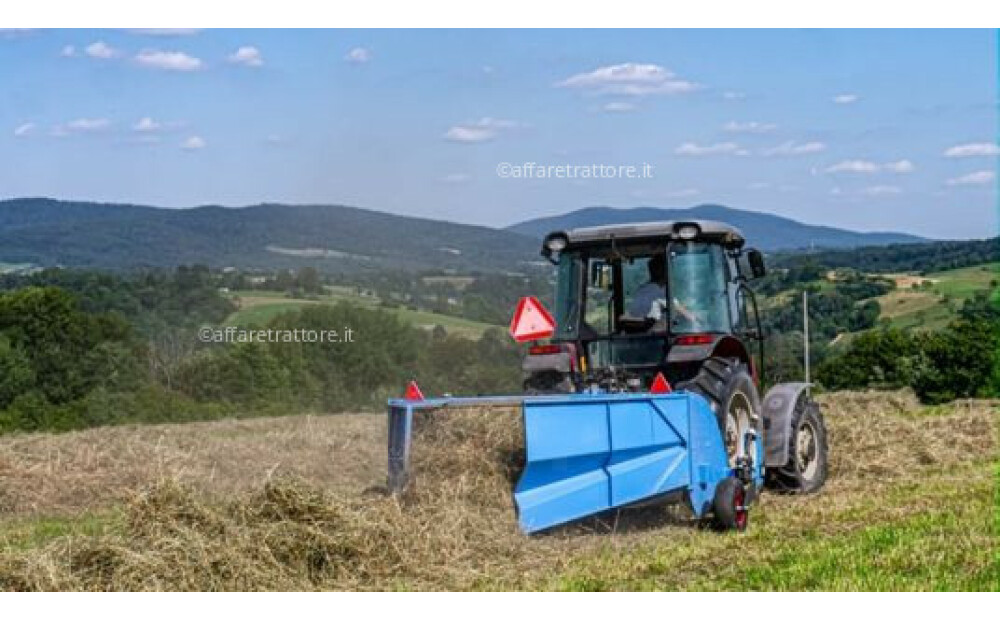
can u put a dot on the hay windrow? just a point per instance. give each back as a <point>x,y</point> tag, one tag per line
<point>455,527</point>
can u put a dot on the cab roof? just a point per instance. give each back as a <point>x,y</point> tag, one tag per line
<point>709,230</point>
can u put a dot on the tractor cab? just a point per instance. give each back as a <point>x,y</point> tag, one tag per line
<point>635,300</point>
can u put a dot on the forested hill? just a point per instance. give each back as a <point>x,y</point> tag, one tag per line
<point>763,230</point>
<point>48,232</point>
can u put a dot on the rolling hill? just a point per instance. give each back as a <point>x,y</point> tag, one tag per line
<point>333,238</point>
<point>765,231</point>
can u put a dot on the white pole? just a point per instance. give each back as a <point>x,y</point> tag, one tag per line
<point>805,331</point>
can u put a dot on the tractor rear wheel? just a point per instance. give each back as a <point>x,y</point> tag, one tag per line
<point>727,386</point>
<point>807,451</point>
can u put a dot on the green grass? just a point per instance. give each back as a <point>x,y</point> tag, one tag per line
<point>32,532</point>
<point>268,304</point>
<point>946,540</point>
<point>933,307</point>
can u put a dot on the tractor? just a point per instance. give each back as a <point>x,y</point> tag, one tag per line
<point>647,386</point>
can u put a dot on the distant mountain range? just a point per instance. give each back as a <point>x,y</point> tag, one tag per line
<point>46,232</point>
<point>762,230</point>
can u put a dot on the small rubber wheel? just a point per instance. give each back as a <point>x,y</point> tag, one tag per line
<point>729,508</point>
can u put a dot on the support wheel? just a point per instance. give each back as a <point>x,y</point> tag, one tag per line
<point>729,508</point>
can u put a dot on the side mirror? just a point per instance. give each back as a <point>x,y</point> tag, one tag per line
<point>756,260</point>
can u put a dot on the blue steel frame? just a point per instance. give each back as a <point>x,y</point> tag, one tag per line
<point>589,453</point>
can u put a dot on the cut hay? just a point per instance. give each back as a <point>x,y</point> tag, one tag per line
<point>455,527</point>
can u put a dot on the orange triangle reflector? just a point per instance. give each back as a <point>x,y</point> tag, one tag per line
<point>660,385</point>
<point>413,392</point>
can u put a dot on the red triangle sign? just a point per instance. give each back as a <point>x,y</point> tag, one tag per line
<point>660,385</point>
<point>413,392</point>
<point>531,321</point>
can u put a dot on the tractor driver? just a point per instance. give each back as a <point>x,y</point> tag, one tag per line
<point>650,299</point>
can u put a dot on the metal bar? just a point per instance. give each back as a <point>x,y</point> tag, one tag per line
<point>805,334</point>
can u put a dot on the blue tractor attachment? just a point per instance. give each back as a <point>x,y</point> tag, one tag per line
<point>589,453</point>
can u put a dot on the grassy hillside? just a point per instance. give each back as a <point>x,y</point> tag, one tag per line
<point>294,504</point>
<point>931,301</point>
<point>259,307</point>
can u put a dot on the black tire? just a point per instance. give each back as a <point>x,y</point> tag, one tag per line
<point>729,507</point>
<point>721,381</point>
<point>807,466</point>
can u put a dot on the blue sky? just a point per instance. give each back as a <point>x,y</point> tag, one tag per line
<point>870,130</point>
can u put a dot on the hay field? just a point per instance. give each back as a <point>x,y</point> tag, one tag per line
<point>295,503</point>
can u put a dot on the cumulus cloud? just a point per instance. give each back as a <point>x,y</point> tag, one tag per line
<point>168,61</point>
<point>618,106</point>
<point>482,130</point>
<point>248,56</point>
<point>749,127</point>
<point>23,130</point>
<point>358,55</point>
<point>101,50</point>
<point>981,177</point>
<point>792,148</point>
<point>978,149</point>
<point>733,95</point>
<point>194,143</point>
<point>863,166</point>
<point>629,78</point>
<point>846,98</point>
<point>68,51</point>
<point>719,148</point>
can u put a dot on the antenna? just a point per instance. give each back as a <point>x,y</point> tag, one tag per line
<point>805,333</point>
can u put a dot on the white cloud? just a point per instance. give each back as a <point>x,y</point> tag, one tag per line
<point>101,50</point>
<point>982,177</point>
<point>863,166</point>
<point>881,190</point>
<point>618,106</point>
<point>146,124</point>
<point>629,79</point>
<point>68,51</point>
<point>978,149</point>
<point>169,61</point>
<point>23,130</point>
<point>733,95</point>
<point>749,127</point>
<point>846,98</point>
<point>358,55</point>
<point>902,166</point>
<point>482,130</point>
<point>248,56</point>
<point>792,148</point>
<point>88,124</point>
<point>456,177</point>
<point>194,143</point>
<point>719,148</point>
